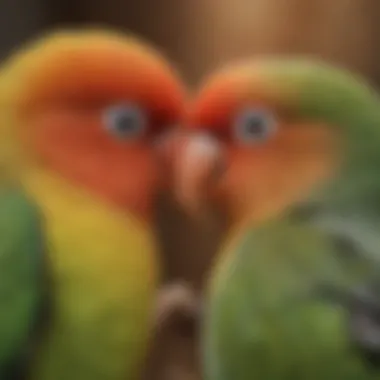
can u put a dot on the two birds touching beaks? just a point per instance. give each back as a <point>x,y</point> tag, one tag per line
<point>93,124</point>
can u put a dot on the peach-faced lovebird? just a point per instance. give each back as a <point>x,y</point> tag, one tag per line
<point>81,112</point>
<point>290,149</point>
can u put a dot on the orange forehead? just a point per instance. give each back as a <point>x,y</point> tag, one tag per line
<point>100,68</point>
<point>224,94</point>
<point>214,105</point>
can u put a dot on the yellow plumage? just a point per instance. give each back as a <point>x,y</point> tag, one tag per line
<point>106,261</point>
<point>101,260</point>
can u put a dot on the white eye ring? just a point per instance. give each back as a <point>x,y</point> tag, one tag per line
<point>125,121</point>
<point>254,126</point>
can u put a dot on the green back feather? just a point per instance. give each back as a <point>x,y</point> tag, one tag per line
<point>268,318</point>
<point>21,280</point>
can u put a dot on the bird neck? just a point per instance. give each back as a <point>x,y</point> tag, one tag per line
<point>40,182</point>
<point>355,191</point>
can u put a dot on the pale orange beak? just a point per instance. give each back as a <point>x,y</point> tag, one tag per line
<point>167,148</point>
<point>196,160</point>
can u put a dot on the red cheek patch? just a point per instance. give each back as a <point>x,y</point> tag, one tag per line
<point>81,151</point>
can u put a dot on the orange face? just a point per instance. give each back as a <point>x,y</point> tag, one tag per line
<point>95,111</point>
<point>248,154</point>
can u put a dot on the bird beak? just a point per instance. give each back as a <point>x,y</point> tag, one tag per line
<point>167,147</point>
<point>167,144</point>
<point>195,166</point>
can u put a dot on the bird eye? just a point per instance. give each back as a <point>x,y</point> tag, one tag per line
<point>125,121</point>
<point>254,126</point>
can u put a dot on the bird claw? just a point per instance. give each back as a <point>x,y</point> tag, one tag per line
<point>178,300</point>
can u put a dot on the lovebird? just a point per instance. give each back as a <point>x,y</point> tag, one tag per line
<point>289,150</point>
<point>82,113</point>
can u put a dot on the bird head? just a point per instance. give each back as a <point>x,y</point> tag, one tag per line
<point>265,135</point>
<point>92,105</point>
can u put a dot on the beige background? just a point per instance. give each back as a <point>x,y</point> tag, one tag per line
<point>199,35</point>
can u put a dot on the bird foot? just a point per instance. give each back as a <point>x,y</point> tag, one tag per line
<point>177,301</point>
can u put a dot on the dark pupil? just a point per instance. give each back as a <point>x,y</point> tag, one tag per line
<point>255,126</point>
<point>126,123</point>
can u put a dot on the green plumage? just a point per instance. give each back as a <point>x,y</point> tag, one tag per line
<point>284,304</point>
<point>274,314</point>
<point>21,278</point>
<point>317,91</point>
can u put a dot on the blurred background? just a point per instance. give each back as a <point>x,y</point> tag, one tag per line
<point>198,35</point>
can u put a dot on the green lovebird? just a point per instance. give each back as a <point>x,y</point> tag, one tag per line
<point>289,148</point>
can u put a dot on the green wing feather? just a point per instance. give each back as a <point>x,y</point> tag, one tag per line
<point>21,254</point>
<point>268,316</point>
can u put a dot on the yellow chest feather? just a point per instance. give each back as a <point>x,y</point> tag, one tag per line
<point>104,273</point>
